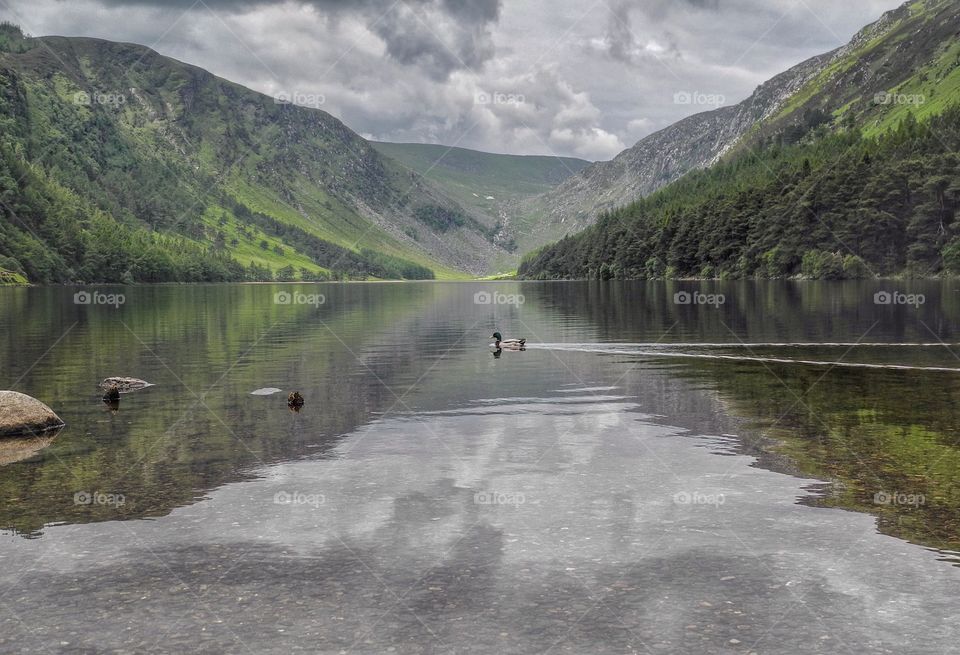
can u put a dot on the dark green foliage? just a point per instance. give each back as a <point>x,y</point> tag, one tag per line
<point>395,268</point>
<point>51,235</point>
<point>12,38</point>
<point>951,257</point>
<point>834,206</point>
<point>439,218</point>
<point>821,265</point>
<point>329,255</point>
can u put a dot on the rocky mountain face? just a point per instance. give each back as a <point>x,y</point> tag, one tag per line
<point>694,142</point>
<point>848,83</point>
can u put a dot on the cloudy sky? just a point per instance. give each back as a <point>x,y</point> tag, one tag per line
<point>583,78</point>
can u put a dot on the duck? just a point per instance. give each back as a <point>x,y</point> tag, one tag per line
<point>508,344</point>
<point>295,400</point>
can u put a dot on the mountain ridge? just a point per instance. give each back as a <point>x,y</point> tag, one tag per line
<point>776,106</point>
<point>122,131</point>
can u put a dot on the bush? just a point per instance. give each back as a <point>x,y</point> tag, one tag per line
<point>855,268</point>
<point>951,257</point>
<point>822,265</point>
<point>776,263</point>
<point>439,218</point>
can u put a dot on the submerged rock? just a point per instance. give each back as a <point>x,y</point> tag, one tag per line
<point>22,415</point>
<point>266,391</point>
<point>124,385</point>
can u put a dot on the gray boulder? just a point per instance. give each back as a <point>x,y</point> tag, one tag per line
<point>22,415</point>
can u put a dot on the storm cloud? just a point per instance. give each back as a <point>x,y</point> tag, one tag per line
<point>563,77</point>
<point>439,36</point>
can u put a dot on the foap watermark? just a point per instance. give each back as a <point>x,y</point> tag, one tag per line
<point>699,98</point>
<point>99,498</point>
<point>499,498</point>
<point>886,98</point>
<point>86,99</point>
<point>698,498</point>
<point>297,298</point>
<point>299,98</point>
<point>299,498</point>
<point>898,298</point>
<point>497,298</point>
<point>97,298</point>
<point>897,498</point>
<point>498,98</point>
<point>697,298</point>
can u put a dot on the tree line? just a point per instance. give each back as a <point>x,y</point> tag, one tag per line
<point>833,205</point>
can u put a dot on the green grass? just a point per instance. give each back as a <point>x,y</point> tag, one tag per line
<point>329,219</point>
<point>249,250</point>
<point>938,85</point>
<point>509,275</point>
<point>9,278</point>
<point>471,177</point>
<point>914,53</point>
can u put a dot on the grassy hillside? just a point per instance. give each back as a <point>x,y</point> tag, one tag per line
<point>908,62</point>
<point>491,187</point>
<point>118,164</point>
<point>483,179</point>
<point>834,206</point>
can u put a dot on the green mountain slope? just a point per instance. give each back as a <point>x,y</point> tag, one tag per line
<point>908,62</point>
<point>786,186</point>
<point>483,179</point>
<point>905,62</point>
<point>834,206</point>
<point>490,185</point>
<point>118,164</point>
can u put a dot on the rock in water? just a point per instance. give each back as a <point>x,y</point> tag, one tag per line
<point>266,391</point>
<point>22,415</point>
<point>124,385</point>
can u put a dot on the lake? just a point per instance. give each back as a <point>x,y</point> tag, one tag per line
<point>668,467</point>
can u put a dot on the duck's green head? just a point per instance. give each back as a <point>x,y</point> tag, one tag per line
<point>497,336</point>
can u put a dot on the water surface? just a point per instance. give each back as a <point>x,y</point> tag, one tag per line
<point>777,473</point>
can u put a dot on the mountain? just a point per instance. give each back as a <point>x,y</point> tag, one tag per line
<point>841,205</point>
<point>119,164</point>
<point>487,184</point>
<point>851,170</point>
<point>905,61</point>
<point>469,174</point>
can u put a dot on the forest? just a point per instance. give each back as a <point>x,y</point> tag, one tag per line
<point>820,205</point>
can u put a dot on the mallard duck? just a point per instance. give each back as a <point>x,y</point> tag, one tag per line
<point>508,344</point>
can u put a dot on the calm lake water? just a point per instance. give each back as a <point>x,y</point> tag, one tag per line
<point>774,473</point>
